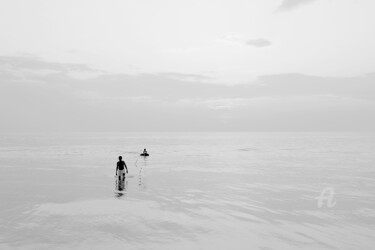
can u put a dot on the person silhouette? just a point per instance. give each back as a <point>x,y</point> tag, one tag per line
<point>120,171</point>
<point>144,151</point>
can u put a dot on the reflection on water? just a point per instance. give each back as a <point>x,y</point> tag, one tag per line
<point>141,179</point>
<point>141,164</point>
<point>121,187</point>
<point>205,191</point>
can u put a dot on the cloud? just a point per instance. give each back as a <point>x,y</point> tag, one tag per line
<point>259,43</point>
<point>186,77</point>
<point>232,38</point>
<point>180,51</point>
<point>215,103</point>
<point>292,4</point>
<point>360,87</point>
<point>173,101</point>
<point>240,39</point>
<point>31,65</point>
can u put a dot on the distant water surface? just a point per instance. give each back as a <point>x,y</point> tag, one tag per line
<point>195,191</point>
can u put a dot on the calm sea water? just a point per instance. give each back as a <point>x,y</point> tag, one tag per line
<point>195,191</point>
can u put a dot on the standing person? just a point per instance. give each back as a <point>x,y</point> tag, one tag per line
<point>120,168</point>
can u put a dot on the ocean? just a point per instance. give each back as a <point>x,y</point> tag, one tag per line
<point>195,191</point>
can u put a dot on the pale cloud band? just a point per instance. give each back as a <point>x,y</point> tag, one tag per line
<point>292,4</point>
<point>240,39</point>
<point>259,43</point>
<point>174,101</point>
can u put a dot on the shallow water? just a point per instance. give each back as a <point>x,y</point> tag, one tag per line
<point>195,191</point>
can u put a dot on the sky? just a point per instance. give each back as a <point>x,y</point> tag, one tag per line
<point>178,65</point>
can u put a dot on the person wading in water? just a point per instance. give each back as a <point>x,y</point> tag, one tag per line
<point>120,168</point>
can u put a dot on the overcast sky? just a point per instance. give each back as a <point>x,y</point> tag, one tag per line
<point>187,65</point>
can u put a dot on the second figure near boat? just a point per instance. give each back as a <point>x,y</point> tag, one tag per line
<point>144,153</point>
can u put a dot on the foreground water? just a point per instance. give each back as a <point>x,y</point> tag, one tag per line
<point>195,191</point>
